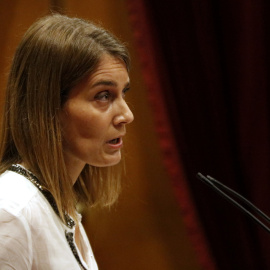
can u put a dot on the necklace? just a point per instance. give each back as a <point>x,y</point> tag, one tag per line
<point>34,180</point>
<point>69,222</point>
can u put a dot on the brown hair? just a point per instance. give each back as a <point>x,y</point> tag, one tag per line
<point>55,54</point>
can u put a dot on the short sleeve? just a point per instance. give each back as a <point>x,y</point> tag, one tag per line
<point>15,242</point>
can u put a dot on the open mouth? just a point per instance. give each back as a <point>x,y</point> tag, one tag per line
<point>114,141</point>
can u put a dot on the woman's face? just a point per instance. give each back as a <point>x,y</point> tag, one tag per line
<point>95,116</point>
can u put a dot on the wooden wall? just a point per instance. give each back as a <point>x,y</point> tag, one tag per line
<point>144,230</point>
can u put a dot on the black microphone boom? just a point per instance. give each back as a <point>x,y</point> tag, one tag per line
<point>221,189</point>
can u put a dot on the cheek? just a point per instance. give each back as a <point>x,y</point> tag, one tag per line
<point>84,124</point>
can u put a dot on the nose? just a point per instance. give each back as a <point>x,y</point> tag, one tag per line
<point>124,115</point>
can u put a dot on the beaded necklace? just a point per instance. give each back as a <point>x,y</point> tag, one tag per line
<point>69,222</point>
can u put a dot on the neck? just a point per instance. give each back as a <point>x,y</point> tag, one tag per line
<point>74,168</point>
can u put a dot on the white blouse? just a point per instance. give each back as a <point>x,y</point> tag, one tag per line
<point>32,236</point>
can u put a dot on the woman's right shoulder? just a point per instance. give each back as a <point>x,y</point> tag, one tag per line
<point>15,192</point>
<point>15,231</point>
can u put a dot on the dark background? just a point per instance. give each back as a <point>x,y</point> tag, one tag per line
<point>212,61</point>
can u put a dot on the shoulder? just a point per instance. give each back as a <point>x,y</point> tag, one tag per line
<point>15,192</point>
<point>15,233</point>
<point>22,201</point>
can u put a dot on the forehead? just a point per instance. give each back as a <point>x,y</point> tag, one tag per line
<point>110,71</point>
<point>109,66</point>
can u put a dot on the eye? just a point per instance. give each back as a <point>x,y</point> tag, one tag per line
<point>125,91</point>
<point>103,96</point>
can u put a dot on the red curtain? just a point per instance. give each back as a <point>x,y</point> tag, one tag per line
<point>206,65</point>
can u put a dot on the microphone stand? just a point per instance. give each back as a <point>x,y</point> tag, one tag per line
<point>221,189</point>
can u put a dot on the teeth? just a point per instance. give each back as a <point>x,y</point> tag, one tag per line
<point>115,141</point>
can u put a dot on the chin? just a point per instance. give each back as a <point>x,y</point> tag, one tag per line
<point>107,162</point>
<point>112,163</point>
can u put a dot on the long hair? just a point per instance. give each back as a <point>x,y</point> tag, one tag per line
<point>55,54</point>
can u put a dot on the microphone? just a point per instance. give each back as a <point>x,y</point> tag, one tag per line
<point>222,190</point>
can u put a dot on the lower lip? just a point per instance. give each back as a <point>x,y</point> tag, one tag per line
<point>116,146</point>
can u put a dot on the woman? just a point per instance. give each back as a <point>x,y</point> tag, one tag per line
<point>65,117</point>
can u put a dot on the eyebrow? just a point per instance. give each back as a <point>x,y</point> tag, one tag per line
<point>109,83</point>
